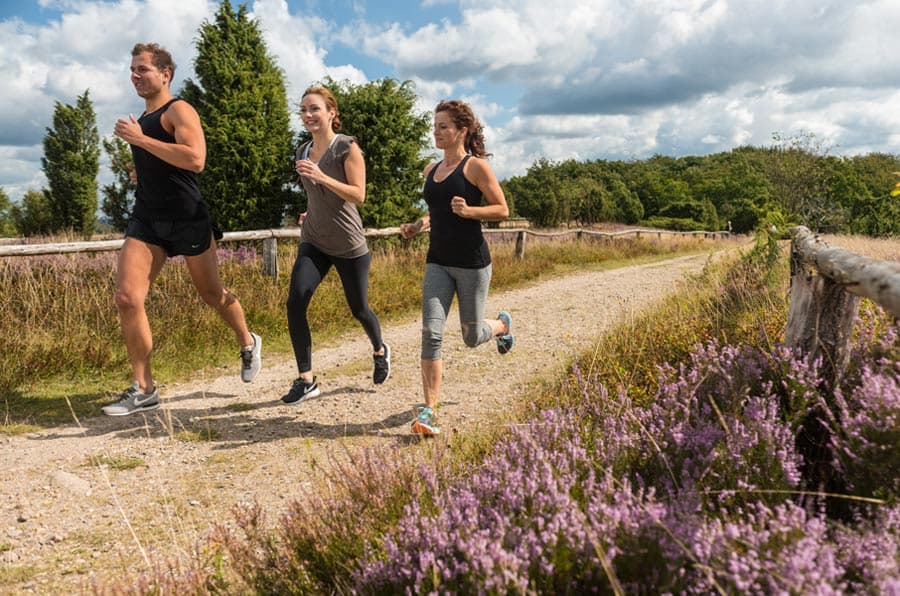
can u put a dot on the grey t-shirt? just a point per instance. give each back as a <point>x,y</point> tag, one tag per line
<point>332,224</point>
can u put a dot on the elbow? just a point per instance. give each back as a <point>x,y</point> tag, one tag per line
<point>196,163</point>
<point>504,213</point>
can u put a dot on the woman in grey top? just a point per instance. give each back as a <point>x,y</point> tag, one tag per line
<point>333,173</point>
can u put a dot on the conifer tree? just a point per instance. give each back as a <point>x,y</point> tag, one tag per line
<point>118,197</point>
<point>71,163</point>
<point>242,102</point>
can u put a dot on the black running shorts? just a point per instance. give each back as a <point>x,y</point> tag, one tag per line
<point>177,237</point>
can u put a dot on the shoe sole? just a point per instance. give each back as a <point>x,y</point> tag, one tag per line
<point>314,393</point>
<point>134,411</point>
<point>423,429</point>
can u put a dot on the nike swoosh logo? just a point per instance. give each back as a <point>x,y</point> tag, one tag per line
<point>195,246</point>
<point>140,402</point>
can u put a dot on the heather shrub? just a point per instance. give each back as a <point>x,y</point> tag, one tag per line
<point>717,427</point>
<point>865,423</point>
<point>869,552</point>
<point>762,550</point>
<point>700,490</point>
<point>538,515</point>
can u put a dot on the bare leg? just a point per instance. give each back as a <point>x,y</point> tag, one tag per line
<point>432,371</point>
<point>138,265</point>
<point>205,274</point>
<point>498,327</point>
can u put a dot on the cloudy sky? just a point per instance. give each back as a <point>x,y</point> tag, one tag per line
<point>581,79</point>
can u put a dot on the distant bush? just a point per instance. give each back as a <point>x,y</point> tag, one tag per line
<point>673,223</point>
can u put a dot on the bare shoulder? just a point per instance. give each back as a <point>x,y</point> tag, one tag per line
<point>181,112</point>
<point>477,170</point>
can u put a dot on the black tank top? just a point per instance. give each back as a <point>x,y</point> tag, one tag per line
<point>164,191</point>
<point>455,241</point>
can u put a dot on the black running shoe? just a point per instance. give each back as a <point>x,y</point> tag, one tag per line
<point>301,391</point>
<point>382,366</point>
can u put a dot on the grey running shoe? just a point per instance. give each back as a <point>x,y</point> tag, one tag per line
<point>382,366</point>
<point>133,400</point>
<point>505,342</point>
<point>301,391</point>
<point>251,359</point>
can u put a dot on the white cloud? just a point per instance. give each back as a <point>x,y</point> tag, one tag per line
<point>579,79</point>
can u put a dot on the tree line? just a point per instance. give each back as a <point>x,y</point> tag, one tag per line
<point>794,181</point>
<point>249,181</point>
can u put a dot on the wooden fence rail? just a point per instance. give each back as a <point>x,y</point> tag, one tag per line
<point>270,241</point>
<point>826,286</point>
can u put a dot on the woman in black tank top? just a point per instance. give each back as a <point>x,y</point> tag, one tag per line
<point>461,191</point>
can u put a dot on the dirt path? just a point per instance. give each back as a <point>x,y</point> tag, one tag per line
<point>63,520</point>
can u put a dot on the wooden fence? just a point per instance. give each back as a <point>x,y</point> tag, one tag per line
<point>270,241</point>
<point>826,286</point>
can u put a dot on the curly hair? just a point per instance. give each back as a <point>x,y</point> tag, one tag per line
<point>462,116</point>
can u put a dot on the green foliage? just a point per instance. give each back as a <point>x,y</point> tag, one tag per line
<point>71,163</point>
<point>795,180</point>
<point>32,216</point>
<point>7,223</point>
<point>242,102</point>
<point>393,137</point>
<point>118,197</point>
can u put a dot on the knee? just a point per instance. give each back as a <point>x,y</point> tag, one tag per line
<point>297,302</point>
<point>128,301</point>
<point>431,343</point>
<point>360,314</point>
<point>471,335</point>
<point>217,299</point>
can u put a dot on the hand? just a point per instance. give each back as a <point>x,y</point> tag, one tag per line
<point>309,169</point>
<point>301,218</point>
<point>459,206</point>
<point>129,130</point>
<point>408,230</point>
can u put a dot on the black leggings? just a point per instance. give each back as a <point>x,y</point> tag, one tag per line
<point>309,270</point>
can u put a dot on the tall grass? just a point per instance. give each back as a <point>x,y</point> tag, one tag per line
<point>58,313</point>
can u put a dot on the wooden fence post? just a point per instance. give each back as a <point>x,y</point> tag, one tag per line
<point>270,257</point>
<point>520,245</point>
<point>820,319</point>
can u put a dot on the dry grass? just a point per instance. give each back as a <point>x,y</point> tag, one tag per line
<point>886,249</point>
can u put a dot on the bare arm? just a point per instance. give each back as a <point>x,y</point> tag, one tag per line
<point>479,172</point>
<point>354,190</point>
<point>188,152</point>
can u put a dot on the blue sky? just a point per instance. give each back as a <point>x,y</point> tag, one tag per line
<point>567,79</point>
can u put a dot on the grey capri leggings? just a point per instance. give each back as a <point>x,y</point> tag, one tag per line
<point>438,287</point>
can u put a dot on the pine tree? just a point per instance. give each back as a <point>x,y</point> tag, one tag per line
<point>242,102</point>
<point>71,163</point>
<point>118,197</point>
